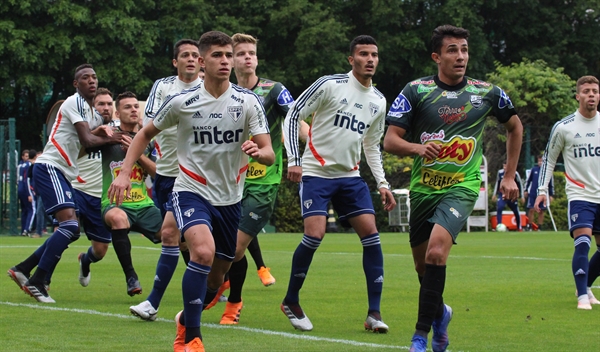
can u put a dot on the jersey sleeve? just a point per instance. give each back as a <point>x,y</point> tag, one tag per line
<point>503,108</point>
<point>401,111</point>
<point>257,121</point>
<point>519,183</point>
<point>553,150</point>
<point>307,103</point>
<point>74,110</point>
<point>371,146</point>
<point>154,102</point>
<point>167,115</point>
<point>284,99</point>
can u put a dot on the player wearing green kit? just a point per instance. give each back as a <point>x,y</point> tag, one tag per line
<point>262,182</point>
<point>137,212</point>
<point>443,117</point>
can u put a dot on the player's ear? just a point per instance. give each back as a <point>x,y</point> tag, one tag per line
<point>174,62</point>
<point>351,60</point>
<point>436,57</point>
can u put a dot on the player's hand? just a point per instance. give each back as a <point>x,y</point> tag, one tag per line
<point>509,189</point>
<point>294,173</point>
<point>117,137</point>
<point>387,199</point>
<point>429,150</point>
<point>120,187</point>
<point>251,149</point>
<point>126,142</point>
<point>494,198</point>
<point>541,199</point>
<point>29,199</point>
<point>104,130</point>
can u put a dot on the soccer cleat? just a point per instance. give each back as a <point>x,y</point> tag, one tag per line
<point>440,341</point>
<point>231,315</point>
<point>17,276</point>
<point>584,304</point>
<point>144,311</point>
<point>593,299</point>
<point>296,316</point>
<point>38,292</point>
<point>133,287</point>
<point>224,287</point>
<point>223,298</point>
<point>83,280</point>
<point>418,344</point>
<point>179,343</point>
<point>265,276</point>
<point>25,234</point>
<point>194,346</point>
<point>375,325</point>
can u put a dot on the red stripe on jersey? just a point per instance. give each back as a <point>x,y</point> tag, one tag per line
<point>80,180</point>
<point>576,183</point>
<point>58,147</point>
<point>194,176</point>
<point>312,148</point>
<point>158,149</point>
<point>240,173</point>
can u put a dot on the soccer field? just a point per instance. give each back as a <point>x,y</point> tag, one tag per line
<point>509,292</point>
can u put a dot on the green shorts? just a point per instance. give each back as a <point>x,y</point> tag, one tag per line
<point>449,210</point>
<point>146,220</point>
<point>257,207</point>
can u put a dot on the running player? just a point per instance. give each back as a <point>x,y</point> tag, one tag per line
<point>577,138</point>
<point>214,121</point>
<point>348,112</point>
<point>52,175</point>
<point>442,118</point>
<point>185,60</point>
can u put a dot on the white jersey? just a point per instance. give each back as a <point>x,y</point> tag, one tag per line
<point>62,149</point>
<point>347,115</point>
<point>210,134</point>
<point>578,139</point>
<point>166,141</point>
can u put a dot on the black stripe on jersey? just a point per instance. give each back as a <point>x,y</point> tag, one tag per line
<point>378,93</point>
<point>301,102</point>
<point>81,103</point>
<point>544,168</point>
<point>151,97</point>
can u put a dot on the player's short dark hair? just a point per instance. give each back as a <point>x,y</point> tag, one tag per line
<point>361,39</point>
<point>122,96</point>
<point>211,38</point>
<point>81,67</point>
<point>444,31</point>
<point>32,153</point>
<point>102,91</point>
<point>183,42</point>
<point>585,80</point>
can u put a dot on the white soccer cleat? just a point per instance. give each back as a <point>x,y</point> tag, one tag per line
<point>83,280</point>
<point>376,325</point>
<point>144,311</point>
<point>593,299</point>
<point>18,277</point>
<point>38,292</point>
<point>299,320</point>
<point>583,302</point>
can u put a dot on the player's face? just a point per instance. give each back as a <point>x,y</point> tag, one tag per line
<point>588,97</point>
<point>218,61</point>
<point>452,60</point>
<point>86,83</point>
<point>187,62</point>
<point>104,104</point>
<point>244,58</point>
<point>128,111</point>
<point>364,60</point>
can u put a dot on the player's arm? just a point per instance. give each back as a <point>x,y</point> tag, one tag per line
<point>514,139</point>
<point>122,182</point>
<point>148,165</point>
<point>394,143</point>
<point>154,102</point>
<point>89,140</point>
<point>553,150</point>
<point>371,146</point>
<point>260,149</point>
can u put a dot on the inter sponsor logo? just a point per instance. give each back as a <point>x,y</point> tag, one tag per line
<point>349,122</point>
<point>586,150</point>
<point>212,135</point>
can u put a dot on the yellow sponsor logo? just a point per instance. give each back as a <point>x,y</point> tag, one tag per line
<point>439,179</point>
<point>256,170</point>
<point>457,151</point>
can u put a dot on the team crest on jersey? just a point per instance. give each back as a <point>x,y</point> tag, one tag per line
<point>189,212</point>
<point>69,194</point>
<point>374,109</point>
<point>504,100</point>
<point>574,217</point>
<point>235,112</point>
<point>476,101</point>
<point>284,97</point>
<point>308,203</point>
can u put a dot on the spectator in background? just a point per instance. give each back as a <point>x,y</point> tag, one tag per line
<point>25,192</point>
<point>531,187</point>
<point>502,202</point>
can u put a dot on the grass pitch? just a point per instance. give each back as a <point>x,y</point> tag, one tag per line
<point>509,292</point>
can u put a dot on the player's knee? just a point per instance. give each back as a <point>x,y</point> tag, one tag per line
<point>170,236</point>
<point>117,219</point>
<point>70,229</point>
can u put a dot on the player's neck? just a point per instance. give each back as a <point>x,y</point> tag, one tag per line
<point>215,87</point>
<point>129,127</point>
<point>187,78</point>
<point>365,81</point>
<point>588,114</point>
<point>247,81</point>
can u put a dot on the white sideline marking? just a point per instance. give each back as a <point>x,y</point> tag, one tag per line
<point>213,326</point>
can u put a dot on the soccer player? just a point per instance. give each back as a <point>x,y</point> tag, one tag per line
<point>576,138</point>
<point>442,117</point>
<point>137,212</point>
<point>88,193</point>
<point>349,112</point>
<point>52,175</point>
<point>25,193</point>
<point>185,60</point>
<point>531,188</point>
<point>214,122</point>
<point>262,182</point>
<point>502,203</point>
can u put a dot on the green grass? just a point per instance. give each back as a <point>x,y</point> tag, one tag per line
<point>509,292</point>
